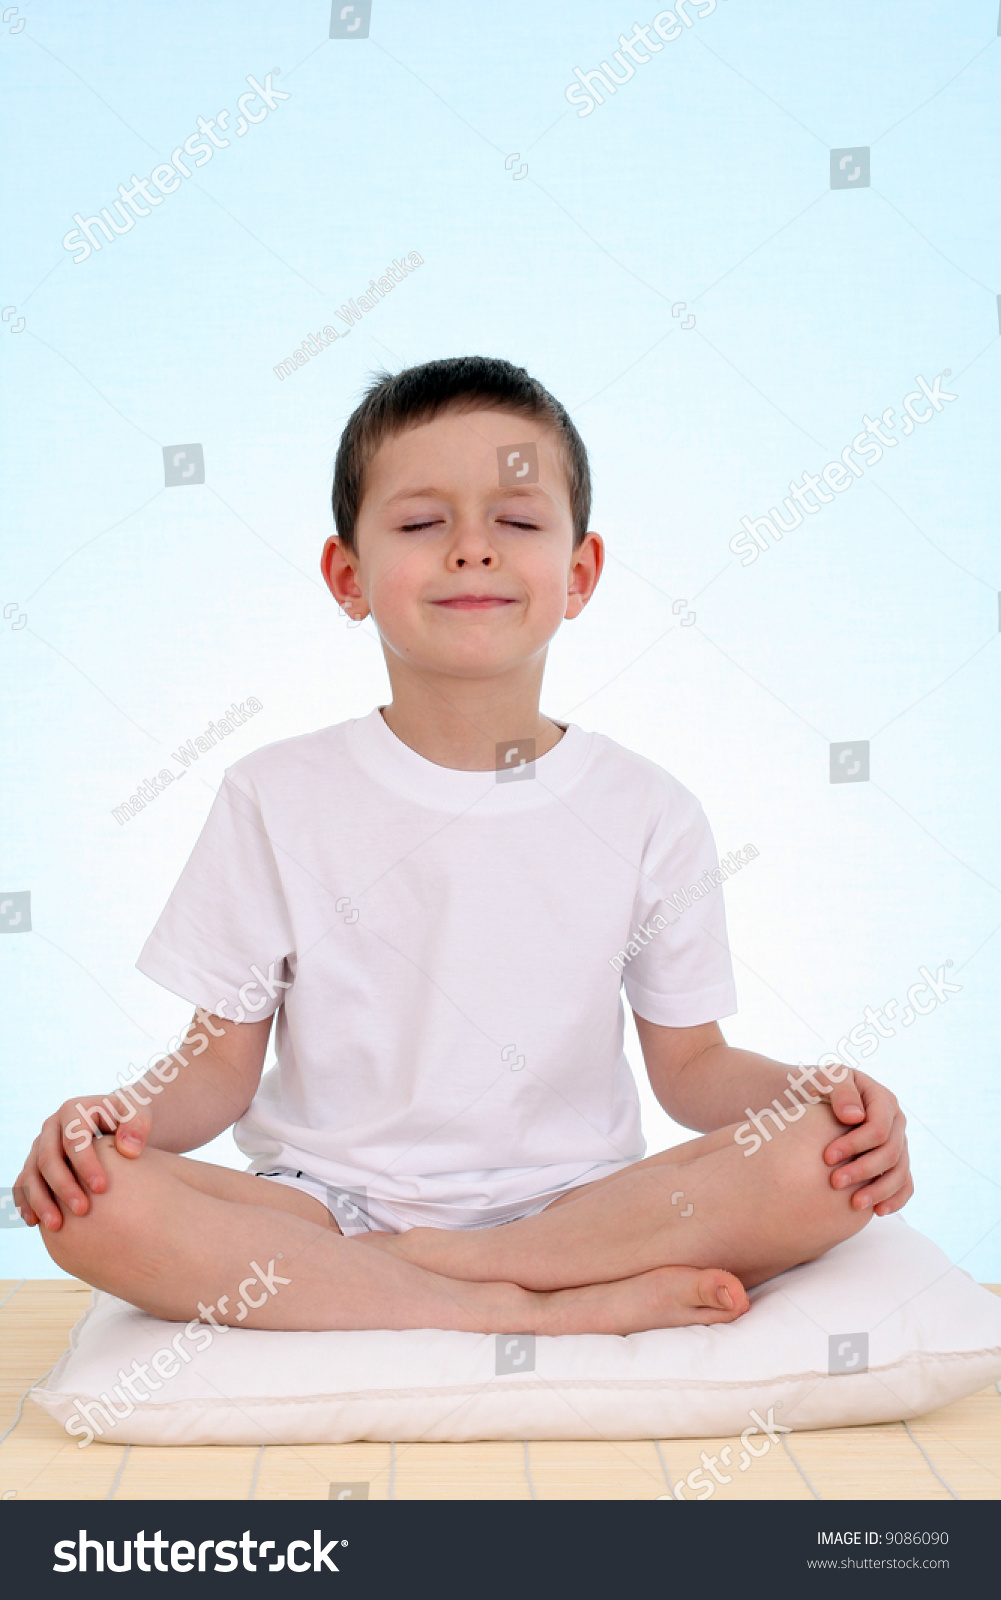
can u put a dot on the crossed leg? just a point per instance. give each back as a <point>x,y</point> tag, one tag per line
<point>702,1201</point>
<point>182,1239</point>
<point>641,1249</point>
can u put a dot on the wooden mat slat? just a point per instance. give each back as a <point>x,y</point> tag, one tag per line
<point>772,1476</point>
<point>39,1461</point>
<point>963,1442</point>
<point>866,1463</point>
<point>306,1471</point>
<point>484,1469</point>
<point>187,1472</point>
<point>614,1469</point>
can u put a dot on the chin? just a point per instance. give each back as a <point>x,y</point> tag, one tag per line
<point>475,663</point>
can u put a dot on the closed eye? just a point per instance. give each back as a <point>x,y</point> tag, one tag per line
<point>416,527</point>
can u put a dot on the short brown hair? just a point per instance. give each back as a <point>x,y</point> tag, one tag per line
<point>396,401</point>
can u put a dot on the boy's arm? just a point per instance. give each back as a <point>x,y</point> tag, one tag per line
<point>189,1097</point>
<point>205,1085</point>
<point>704,1083</point>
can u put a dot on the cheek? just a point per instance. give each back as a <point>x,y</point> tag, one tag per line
<point>393,586</point>
<point>551,588</point>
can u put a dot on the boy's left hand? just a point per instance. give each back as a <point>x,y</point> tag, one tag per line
<point>876,1141</point>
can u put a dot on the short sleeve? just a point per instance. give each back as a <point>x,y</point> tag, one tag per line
<point>677,969</point>
<point>223,939</point>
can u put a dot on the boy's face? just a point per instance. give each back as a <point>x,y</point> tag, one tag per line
<point>465,570</point>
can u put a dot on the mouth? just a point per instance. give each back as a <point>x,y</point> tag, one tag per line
<point>473,602</point>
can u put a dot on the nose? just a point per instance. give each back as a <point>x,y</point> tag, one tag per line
<point>471,547</point>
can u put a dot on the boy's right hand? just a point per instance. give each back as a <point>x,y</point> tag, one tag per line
<point>62,1164</point>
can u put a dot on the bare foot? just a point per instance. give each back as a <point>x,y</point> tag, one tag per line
<point>666,1297</point>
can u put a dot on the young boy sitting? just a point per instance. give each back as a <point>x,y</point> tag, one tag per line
<point>437,901</point>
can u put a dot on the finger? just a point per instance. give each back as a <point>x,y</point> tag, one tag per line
<point>883,1187</point>
<point>131,1137</point>
<point>869,1135</point>
<point>100,1112</point>
<point>852,1142</point>
<point>846,1102</point>
<point>886,1208</point>
<point>871,1165</point>
<point>42,1202</point>
<point>872,1162</point>
<point>22,1185</point>
<point>60,1180</point>
<point>94,1117</point>
<point>81,1157</point>
<point>22,1204</point>
<point>31,1185</point>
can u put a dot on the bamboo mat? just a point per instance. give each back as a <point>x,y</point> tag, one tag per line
<point>953,1453</point>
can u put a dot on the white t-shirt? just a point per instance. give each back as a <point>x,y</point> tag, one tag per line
<point>452,948</point>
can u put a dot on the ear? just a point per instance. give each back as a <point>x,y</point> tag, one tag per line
<point>339,567</point>
<point>585,569</point>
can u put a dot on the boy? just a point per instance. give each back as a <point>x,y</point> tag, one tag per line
<point>436,900</point>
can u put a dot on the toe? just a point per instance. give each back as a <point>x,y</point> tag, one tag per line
<point>722,1292</point>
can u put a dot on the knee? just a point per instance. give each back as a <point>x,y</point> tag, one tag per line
<point>812,1174</point>
<point>826,1212</point>
<point>110,1224</point>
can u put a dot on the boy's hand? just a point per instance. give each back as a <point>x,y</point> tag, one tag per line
<point>876,1141</point>
<point>62,1164</point>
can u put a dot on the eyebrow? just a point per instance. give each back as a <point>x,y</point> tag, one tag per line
<point>521,490</point>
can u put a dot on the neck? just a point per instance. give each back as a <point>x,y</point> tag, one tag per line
<point>459,722</point>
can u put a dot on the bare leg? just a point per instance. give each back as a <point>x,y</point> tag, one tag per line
<point>182,1239</point>
<point>758,1214</point>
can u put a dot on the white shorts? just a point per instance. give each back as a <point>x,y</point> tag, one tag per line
<point>355,1211</point>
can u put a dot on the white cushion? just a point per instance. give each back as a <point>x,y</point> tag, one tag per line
<point>932,1335</point>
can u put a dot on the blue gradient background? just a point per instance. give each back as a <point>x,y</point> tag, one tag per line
<point>704,180</point>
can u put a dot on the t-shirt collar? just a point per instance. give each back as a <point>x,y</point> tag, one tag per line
<point>385,757</point>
